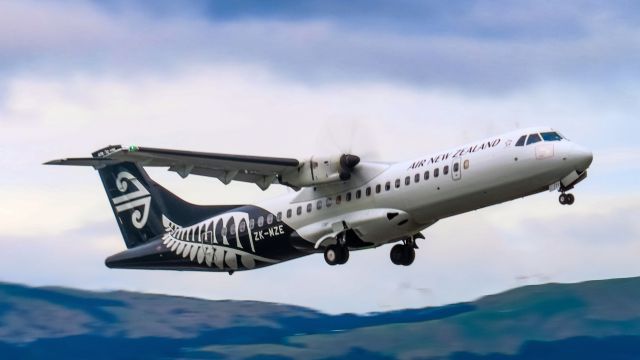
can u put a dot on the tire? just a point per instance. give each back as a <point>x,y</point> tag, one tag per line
<point>570,199</point>
<point>409,255</point>
<point>562,199</point>
<point>344,256</point>
<point>332,255</point>
<point>397,254</point>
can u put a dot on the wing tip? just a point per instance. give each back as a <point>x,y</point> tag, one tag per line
<point>96,163</point>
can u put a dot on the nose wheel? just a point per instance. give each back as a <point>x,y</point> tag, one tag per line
<point>566,199</point>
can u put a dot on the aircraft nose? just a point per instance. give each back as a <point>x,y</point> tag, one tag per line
<point>583,158</point>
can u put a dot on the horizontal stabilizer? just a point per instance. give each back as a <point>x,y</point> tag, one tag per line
<point>97,163</point>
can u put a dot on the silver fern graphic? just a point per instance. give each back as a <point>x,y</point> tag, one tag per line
<point>201,244</point>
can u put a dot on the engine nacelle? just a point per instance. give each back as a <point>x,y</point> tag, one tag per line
<point>321,170</point>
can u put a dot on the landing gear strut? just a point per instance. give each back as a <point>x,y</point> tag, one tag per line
<point>404,254</point>
<point>566,199</point>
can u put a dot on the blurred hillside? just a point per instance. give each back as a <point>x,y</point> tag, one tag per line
<point>591,320</point>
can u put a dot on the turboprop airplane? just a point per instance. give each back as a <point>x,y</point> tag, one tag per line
<point>341,204</point>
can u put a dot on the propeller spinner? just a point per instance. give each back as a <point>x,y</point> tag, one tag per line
<point>347,163</point>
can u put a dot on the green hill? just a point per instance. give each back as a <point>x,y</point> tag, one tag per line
<point>591,320</point>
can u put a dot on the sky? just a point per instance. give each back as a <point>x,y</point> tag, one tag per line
<point>389,80</point>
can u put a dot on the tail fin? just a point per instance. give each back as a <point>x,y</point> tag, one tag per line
<point>139,203</point>
<point>136,201</point>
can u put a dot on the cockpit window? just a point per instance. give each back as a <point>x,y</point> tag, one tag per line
<point>533,138</point>
<point>520,141</point>
<point>551,136</point>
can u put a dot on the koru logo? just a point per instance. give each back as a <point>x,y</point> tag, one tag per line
<point>132,200</point>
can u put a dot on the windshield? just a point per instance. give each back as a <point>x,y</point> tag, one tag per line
<point>551,136</point>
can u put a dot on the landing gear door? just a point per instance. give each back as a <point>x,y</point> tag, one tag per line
<point>456,169</point>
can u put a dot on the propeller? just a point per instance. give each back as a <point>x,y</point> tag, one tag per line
<point>347,163</point>
<point>347,137</point>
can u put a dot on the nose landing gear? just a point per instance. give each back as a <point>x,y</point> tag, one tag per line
<point>566,199</point>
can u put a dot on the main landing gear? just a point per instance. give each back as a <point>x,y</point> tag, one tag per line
<point>337,254</point>
<point>405,253</point>
<point>566,199</point>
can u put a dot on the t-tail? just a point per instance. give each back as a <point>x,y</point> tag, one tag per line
<point>138,202</point>
<point>162,231</point>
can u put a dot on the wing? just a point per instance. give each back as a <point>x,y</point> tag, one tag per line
<point>260,170</point>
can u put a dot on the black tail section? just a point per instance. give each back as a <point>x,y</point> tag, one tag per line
<point>139,203</point>
<point>134,200</point>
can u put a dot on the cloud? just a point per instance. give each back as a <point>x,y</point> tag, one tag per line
<point>464,47</point>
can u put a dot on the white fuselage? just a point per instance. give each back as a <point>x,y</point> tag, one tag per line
<point>424,190</point>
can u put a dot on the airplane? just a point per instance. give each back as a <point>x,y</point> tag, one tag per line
<point>341,204</point>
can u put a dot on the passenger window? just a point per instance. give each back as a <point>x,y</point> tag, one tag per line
<point>520,141</point>
<point>319,205</point>
<point>551,136</point>
<point>309,207</point>
<point>456,167</point>
<point>407,180</point>
<point>252,223</point>
<point>348,196</point>
<point>416,178</point>
<point>368,191</point>
<point>232,230</point>
<point>242,227</point>
<point>269,219</point>
<point>289,213</point>
<point>436,172</point>
<point>358,194</point>
<point>533,138</point>
<point>445,171</point>
<point>426,175</point>
<point>260,221</point>
<point>338,199</point>
<point>466,164</point>
<point>397,183</point>
<point>387,186</point>
<point>279,216</point>
<point>328,202</point>
<point>299,210</point>
<point>378,188</point>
